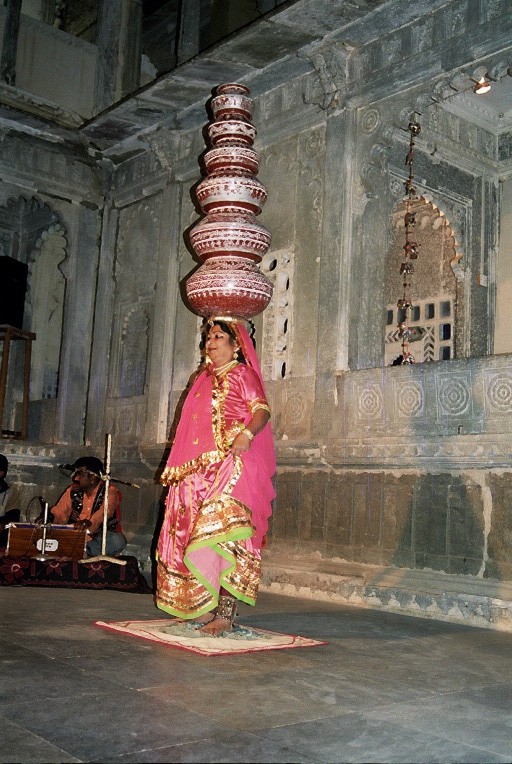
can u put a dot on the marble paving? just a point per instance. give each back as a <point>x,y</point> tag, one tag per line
<point>386,687</point>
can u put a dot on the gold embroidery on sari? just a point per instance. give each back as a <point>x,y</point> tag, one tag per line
<point>220,389</point>
<point>258,403</point>
<point>181,592</point>
<point>220,516</point>
<point>246,575</point>
<point>177,474</point>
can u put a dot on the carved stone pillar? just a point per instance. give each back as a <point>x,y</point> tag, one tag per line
<point>104,309</point>
<point>10,42</point>
<point>161,367</point>
<point>188,30</point>
<point>81,274</point>
<point>119,40</point>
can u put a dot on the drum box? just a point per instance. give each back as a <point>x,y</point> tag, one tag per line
<point>26,540</point>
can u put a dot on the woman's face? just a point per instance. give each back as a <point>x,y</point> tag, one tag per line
<point>220,347</point>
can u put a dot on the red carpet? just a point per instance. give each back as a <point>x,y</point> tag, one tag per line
<point>71,574</point>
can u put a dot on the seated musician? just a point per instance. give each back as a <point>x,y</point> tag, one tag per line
<point>9,512</point>
<point>82,505</point>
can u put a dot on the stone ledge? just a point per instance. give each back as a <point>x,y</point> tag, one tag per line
<point>423,593</point>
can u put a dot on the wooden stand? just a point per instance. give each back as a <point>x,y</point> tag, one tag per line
<point>103,555</point>
<point>9,334</point>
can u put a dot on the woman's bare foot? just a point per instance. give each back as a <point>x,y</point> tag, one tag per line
<point>216,626</point>
<point>204,618</point>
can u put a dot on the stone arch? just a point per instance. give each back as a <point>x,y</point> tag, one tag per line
<point>134,351</point>
<point>47,288</point>
<point>32,233</point>
<point>435,292</point>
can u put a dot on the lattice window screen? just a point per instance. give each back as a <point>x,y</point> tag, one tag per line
<point>433,328</point>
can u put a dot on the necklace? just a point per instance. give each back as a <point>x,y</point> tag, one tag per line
<point>225,368</point>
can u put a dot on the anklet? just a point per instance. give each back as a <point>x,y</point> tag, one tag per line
<point>226,608</point>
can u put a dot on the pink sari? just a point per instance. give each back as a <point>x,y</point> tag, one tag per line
<point>218,506</point>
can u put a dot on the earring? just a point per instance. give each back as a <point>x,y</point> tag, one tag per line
<point>235,354</point>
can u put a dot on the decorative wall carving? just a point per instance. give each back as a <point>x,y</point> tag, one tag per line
<point>410,399</point>
<point>368,400</point>
<point>372,172</point>
<point>162,145</point>
<point>135,276</point>
<point>5,242</point>
<point>296,407</point>
<point>498,392</point>
<point>429,400</point>
<point>454,395</point>
<point>125,418</point>
<point>370,121</point>
<point>277,318</point>
<point>134,352</point>
<point>421,35</point>
<point>138,235</point>
<point>330,64</point>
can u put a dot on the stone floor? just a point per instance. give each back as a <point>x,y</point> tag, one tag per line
<point>386,687</point>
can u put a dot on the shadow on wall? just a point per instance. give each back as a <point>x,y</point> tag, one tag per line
<point>443,529</point>
<point>429,521</point>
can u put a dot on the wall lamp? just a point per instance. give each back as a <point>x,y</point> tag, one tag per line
<point>481,86</point>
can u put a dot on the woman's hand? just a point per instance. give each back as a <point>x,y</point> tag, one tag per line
<point>243,440</point>
<point>241,443</point>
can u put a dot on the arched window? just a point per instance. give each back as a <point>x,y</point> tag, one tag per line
<point>31,232</point>
<point>435,312</point>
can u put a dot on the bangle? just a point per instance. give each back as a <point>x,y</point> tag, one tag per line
<point>249,434</point>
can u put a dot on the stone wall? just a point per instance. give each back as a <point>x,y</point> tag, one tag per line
<point>407,468</point>
<point>415,471</point>
<point>66,77</point>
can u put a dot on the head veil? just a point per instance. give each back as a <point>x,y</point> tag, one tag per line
<point>238,327</point>
<point>244,340</point>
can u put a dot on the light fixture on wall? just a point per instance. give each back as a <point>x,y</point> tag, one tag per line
<point>479,81</point>
<point>410,248</point>
<point>481,86</point>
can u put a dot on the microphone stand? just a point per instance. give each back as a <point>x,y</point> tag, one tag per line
<point>103,556</point>
<point>124,482</point>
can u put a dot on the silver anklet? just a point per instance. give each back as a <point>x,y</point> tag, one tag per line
<point>226,608</point>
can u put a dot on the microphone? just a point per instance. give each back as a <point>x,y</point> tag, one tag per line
<point>42,517</point>
<point>70,467</point>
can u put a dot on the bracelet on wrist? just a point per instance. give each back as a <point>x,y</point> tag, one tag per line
<point>249,434</point>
